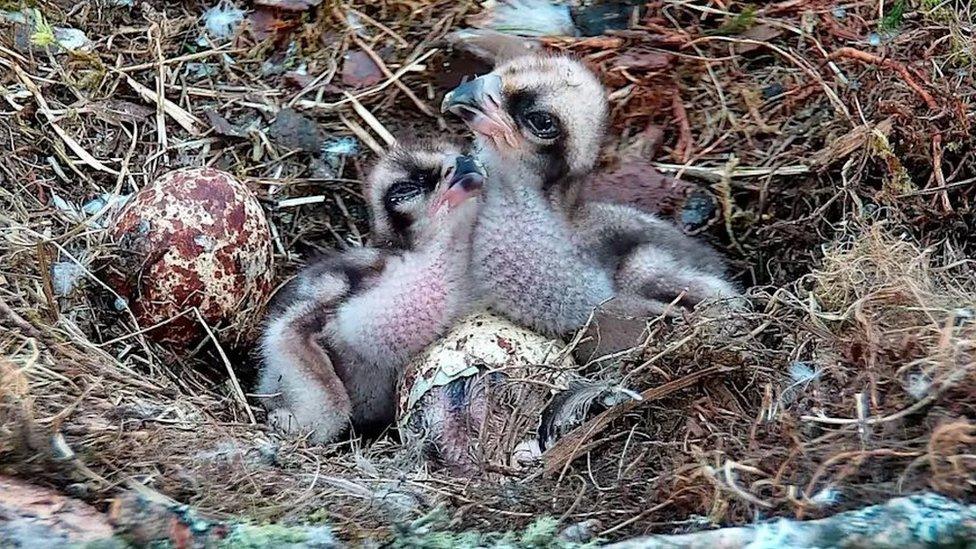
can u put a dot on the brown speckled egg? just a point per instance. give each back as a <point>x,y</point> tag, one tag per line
<point>474,400</point>
<point>194,238</point>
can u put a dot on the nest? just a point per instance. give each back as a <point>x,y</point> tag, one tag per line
<point>843,172</point>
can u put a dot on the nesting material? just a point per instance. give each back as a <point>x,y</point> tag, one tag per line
<point>842,174</point>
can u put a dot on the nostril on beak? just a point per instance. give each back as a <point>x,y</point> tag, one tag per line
<point>447,172</point>
<point>473,95</point>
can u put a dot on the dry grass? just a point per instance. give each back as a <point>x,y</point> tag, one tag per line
<point>847,195</point>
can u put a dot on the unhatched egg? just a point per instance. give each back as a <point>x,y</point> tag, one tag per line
<point>194,239</point>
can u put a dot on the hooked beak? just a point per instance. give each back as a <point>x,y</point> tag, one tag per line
<point>467,180</point>
<point>479,103</point>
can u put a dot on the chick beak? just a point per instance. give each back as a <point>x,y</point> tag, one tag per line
<point>478,103</point>
<point>466,181</point>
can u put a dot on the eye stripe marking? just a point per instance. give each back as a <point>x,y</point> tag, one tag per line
<point>418,184</point>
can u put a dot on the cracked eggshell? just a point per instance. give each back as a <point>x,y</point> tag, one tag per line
<point>476,396</point>
<point>194,238</point>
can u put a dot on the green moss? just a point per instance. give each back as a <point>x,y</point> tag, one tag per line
<point>739,23</point>
<point>88,72</point>
<point>958,20</point>
<point>540,533</point>
<point>893,19</point>
<point>898,182</point>
<point>16,5</point>
<point>43,34</point>
<point>318,516</point>
<point>110,543</point>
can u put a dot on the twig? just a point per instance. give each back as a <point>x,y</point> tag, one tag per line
<point>724,188</point>
<point>299,201</point>
<point>565,450</point>
<point>383,28</point>
<point>716,174</point>
<point>24,326</point>
<point>938,176</point>
<point>238,391</point>
<point>839,105</point>
<point>683,148</point>
<point>371,120</point>
<point>189,122</point>
<point>362,134</point>
<point>728,473</point>
<point>902,70</point>
<point>955,185</point>
<point>407,67</point>
<point>161,134</point>
<point>68,140</point>
<point>389,74</point>
<point>180,59</point>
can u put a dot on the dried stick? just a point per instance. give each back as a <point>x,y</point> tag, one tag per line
<point>565,451</point>
<point>902,70</point>
<point>24,326</point>
<point>683,148</point>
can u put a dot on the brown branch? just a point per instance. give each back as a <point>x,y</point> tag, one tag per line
<point>902,70</point>
<point>683,148</point>
<point>937,176</point>
<point>26,327</point>
<point>381,65</point>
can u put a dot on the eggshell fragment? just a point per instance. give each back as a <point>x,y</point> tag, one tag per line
<point>194,239</point>
<point>474,399</point>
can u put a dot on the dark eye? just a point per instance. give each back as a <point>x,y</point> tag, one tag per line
<point>426,180</point>
<point>542,124</point>
<point>402,191</point>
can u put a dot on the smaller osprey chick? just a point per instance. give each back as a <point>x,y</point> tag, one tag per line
<point>338,335</point>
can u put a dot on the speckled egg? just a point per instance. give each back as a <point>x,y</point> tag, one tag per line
<point>474,399</point>
<point>194,238</point>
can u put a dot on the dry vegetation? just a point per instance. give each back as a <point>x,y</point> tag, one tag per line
<point>844,169</point>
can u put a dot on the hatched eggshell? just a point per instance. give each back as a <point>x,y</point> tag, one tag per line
<point>476,396</point>
<point>194,238</point>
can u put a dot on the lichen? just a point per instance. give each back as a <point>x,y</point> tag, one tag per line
<point>426,533</point>
<point>247,536</point>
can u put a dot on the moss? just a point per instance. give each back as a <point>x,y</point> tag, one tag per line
<point>114,542</point>
<point>89,68</point>
<point>43,34</point>
<point>962,51</point>
<point>898,182</point>
<point>740,23</point>
<point>894,17</point>
<point>17,5</point>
